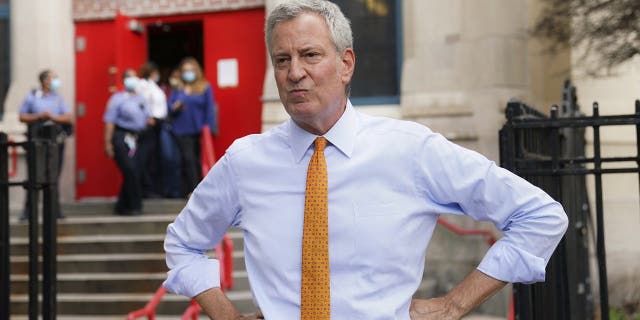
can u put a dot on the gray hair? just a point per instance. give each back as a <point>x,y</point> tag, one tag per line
<point>338,24</point>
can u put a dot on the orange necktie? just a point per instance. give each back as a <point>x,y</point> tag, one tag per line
<point>315,297</point>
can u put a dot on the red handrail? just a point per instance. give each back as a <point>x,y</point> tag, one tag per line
<point>14,160</point>
<point>149,310</point>
<point>487,234</point>
<point>207,151</point>
<point>223,251</point>
<point>489,237</point>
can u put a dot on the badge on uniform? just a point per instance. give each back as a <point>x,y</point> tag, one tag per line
<point>130,141</point>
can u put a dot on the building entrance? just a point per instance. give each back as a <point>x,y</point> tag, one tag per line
<point>170,42</point>
<point>229,45</point>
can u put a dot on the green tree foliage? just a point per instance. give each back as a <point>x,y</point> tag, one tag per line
<point>610,29</point>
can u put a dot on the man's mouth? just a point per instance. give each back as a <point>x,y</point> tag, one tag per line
<point>297,92</point>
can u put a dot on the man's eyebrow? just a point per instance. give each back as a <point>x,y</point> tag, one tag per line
<point>310,48</point>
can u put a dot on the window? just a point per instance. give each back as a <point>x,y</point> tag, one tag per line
<point>377,40</point>
<point>4,53</point>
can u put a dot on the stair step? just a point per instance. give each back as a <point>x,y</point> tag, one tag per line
<point>123,303</point>
<point>92,225</point>
<point>111,262</point>
<point>105,206</point>
<point>112,282</point>
<point>86,244</point>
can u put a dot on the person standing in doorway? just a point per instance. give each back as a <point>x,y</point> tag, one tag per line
<point>169,147</point>
<point>46,107</point>
<point>127,115</point>
<point>149,150</point>
<point>191,108</point>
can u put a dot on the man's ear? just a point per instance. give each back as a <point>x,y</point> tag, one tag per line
<point>348,60</point>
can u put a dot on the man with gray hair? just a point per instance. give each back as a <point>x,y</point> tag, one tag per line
<point>337,207</point>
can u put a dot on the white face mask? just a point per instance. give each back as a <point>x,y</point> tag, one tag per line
<point>130,83</point>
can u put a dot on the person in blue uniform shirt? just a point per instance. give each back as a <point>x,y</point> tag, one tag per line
<point>191,108</point>
<point>126,116</point>
<point>379,186</point>
<point>44,107</point>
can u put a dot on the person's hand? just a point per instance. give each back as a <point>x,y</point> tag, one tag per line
<point>151,122</point>
<point>45,115</point>
<point>432,309</point>
<point>176,106</point>
<point>108,150</point>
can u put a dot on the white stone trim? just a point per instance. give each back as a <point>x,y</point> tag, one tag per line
<point>87,10</point>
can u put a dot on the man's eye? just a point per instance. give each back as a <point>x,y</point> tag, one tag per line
<point>281,61</point>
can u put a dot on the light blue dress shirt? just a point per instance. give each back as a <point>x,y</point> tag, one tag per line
<point>37,102</point>
<point>389,180</point>
<point>127,110</point>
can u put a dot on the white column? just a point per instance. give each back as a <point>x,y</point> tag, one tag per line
<point>42,35</point>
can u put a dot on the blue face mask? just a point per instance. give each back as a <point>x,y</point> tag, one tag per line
<point>55,84</point>
<point>189,76</point>
<point>130,83</point>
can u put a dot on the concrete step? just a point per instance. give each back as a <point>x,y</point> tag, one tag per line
<point>108,243</point>
<point>87,244</point>
<point>104,207</point>
<point>93,225</point>
<point>113,282</point>
<point>111,262</point>
<point>100,263</point>
<point>123,303</point>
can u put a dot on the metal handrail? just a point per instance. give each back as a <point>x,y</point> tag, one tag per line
<point>486,233</point>
<point>223,251</point>
<point>14,159</point>
<point>489,238</point>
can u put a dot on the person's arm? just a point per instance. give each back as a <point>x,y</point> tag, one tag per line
<point>108,134</point>
<point>32,117</point>
<point>212,209</point>
<point>65,118</point>
<point>460,181</point>
<point>475,289</point>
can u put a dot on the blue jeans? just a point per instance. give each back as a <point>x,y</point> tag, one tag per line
<point>170,163</point>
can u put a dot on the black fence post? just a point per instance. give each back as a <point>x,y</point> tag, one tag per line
<point>600,248</point>
<point>5,270</point>
<point>638,140</point>
<point>50,213</point>
<point>32,216</point>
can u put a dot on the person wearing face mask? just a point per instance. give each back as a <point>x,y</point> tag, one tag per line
<point>191,108</point>
<point>46,107</point>
<point>149,139</point>
<point>126,116</point>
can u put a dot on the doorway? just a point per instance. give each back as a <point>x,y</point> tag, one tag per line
<point>169,43</point>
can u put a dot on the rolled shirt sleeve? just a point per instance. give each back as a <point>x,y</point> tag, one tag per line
<point>27,104</point>
<point>211,210</point>
<point>465,182</point>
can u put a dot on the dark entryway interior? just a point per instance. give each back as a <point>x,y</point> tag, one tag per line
<point>170,42</point>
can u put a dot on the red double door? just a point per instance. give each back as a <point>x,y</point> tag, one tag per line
<point>105,48</point>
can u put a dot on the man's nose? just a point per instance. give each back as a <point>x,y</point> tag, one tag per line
<point>296,70</point>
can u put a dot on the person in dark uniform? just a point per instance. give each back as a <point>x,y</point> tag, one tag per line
<point>45,107</point>
<point>126,116</point>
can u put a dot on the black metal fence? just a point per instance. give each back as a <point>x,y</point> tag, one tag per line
<point>42,164</point>
<point>550,153</point>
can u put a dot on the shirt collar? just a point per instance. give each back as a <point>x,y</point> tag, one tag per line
<point>342,135</point>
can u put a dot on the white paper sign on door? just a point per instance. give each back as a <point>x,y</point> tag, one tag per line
<point>227,73</point>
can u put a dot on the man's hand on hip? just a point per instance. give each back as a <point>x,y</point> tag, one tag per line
<point>471,292</point>
<point>433,309</point>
